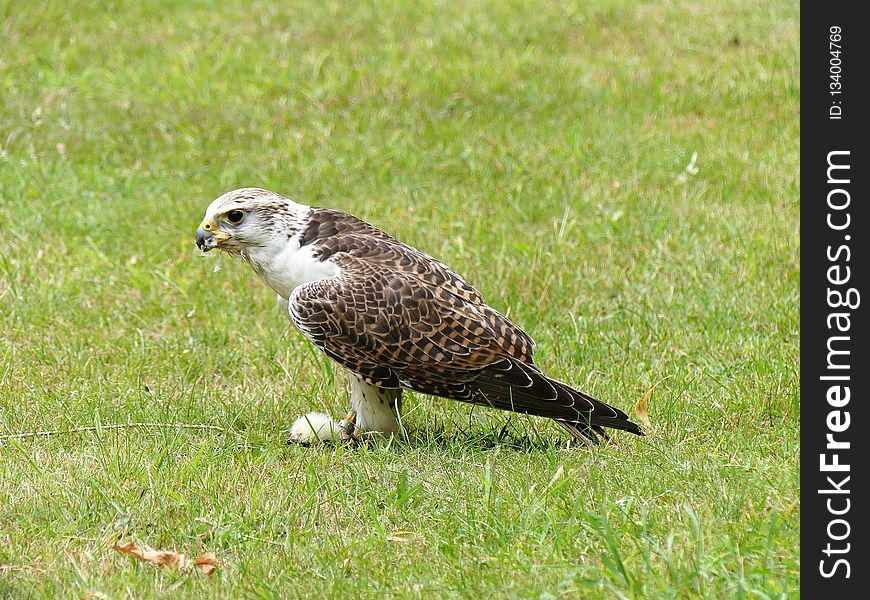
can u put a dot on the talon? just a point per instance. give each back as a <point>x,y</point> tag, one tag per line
<point>347,429</point>
<point>348,432</point>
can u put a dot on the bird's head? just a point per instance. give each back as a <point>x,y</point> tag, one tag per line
<point>247,219</point>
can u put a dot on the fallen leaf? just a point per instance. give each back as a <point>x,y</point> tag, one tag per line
<point>158,558</point>
<point>207,563</point>
<point>641,406</point>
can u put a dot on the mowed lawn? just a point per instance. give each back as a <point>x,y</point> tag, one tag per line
<point>621,179</point>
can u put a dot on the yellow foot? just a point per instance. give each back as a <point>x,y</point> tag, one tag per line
<point>347,429</point>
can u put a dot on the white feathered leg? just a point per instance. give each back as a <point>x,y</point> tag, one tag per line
<point>376,408</point>
<point>372,409</point>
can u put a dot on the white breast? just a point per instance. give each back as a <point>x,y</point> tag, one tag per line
<point>286,269</point>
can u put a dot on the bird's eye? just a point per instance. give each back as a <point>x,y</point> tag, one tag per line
<point>235,216</point>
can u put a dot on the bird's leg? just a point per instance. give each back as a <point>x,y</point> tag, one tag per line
<point>372,408</point>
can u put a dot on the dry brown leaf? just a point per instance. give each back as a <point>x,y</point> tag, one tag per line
<point>207,563</point>
<point>95,596</point>
<point>158,558</point>
<point>641,407</point>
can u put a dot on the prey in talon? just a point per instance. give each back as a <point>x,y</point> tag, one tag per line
<point>393,317</point>
<point>348,430</point>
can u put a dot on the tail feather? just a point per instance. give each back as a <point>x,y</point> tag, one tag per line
<point>588,434</point>
<point>521,387</point>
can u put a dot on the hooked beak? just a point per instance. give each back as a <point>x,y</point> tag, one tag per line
<point>208,236</point>
<point>204,239</point>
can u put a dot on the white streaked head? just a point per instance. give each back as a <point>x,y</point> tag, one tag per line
<point>247,219</point>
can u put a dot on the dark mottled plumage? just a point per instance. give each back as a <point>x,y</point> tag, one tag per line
<point>402,319</point>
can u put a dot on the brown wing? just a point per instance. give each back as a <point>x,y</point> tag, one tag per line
<point>399,318</point>
<point>373,318</point>
<point>333,232</point>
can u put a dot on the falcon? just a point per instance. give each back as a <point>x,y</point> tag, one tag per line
<point>393,317</point>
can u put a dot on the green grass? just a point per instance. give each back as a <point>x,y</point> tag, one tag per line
<point>542,151</point>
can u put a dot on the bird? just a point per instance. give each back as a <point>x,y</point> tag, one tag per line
<point>393,317</point>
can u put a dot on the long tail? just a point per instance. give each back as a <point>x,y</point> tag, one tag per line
<point>589,427</point>
<point>521,387</point>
